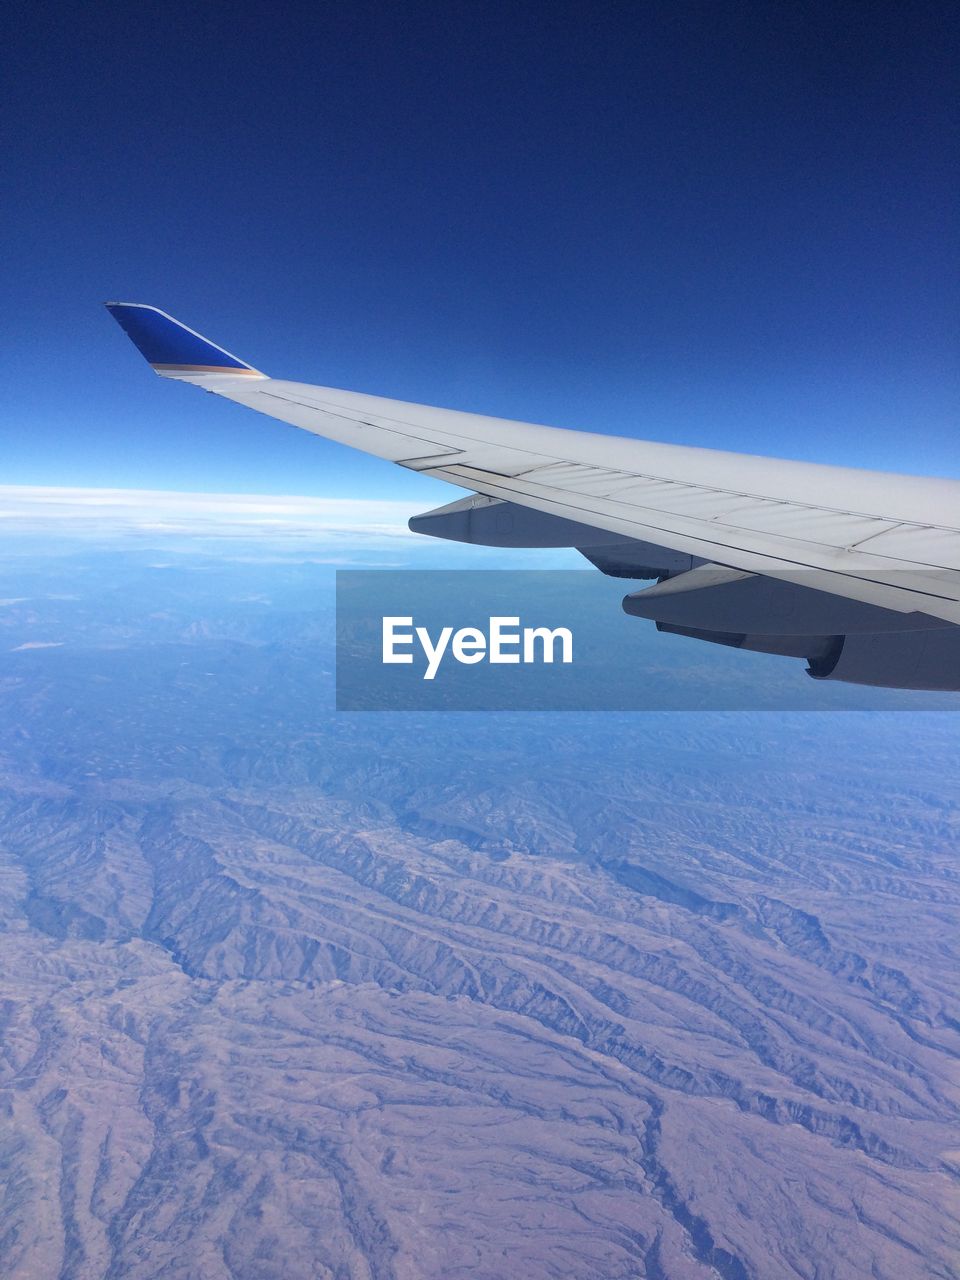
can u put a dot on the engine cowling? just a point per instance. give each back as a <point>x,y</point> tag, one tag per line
<point>714,597</point>
<point>842,639</point>
<point>894,660</point>
<point>903,660</point>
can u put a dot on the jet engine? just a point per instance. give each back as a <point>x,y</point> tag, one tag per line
<point>905,660</point>
<point>841,639</point>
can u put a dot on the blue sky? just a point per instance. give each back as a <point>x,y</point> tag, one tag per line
<point>729,225</point>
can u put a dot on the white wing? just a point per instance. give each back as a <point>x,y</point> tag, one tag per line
<point>890,544</point>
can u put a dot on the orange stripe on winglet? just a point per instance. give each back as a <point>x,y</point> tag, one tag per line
<point>208,368</point>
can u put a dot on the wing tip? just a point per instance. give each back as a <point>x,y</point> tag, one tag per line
<point>173,349</point>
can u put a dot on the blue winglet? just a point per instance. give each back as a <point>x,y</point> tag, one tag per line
<point>170,347</point>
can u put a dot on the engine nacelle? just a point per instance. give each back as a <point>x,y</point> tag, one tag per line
<point>904,660</point>
<point>894,660</point>
<point>712,597</point>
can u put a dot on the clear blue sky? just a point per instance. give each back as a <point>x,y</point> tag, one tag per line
<point>725,224</point>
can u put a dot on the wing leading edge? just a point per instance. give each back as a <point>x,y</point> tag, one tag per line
<point>874,553</point>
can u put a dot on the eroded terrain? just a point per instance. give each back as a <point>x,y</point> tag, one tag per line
<point>289,994</point>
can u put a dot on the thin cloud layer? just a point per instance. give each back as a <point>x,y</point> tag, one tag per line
<point>149,512</point>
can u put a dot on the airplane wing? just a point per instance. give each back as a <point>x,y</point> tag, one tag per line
<point>857,571</point>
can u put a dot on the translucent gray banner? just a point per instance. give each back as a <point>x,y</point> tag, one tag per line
<point>568,640</point>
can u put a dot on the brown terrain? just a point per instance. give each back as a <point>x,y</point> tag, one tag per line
<point>289,994</point>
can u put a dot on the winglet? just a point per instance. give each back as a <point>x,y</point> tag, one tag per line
<point>173,350</point>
